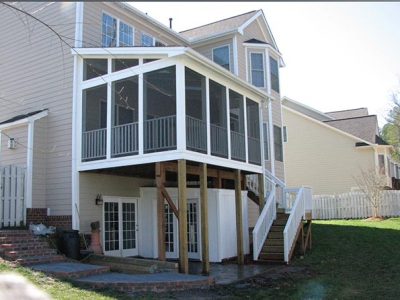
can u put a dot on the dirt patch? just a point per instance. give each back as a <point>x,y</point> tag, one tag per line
<point>374,219</point>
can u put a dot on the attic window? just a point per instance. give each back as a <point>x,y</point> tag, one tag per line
<point>257,69</point>
<point>115,33</point>
<point>221,56</point>
<point>274,74</point>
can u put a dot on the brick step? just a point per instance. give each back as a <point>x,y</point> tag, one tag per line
<point>21,240</point>
<point>25,246</point>
<point>278,256</point>
<point>13,255</point>
<point>272,249</point>
<point>277,228</point>
<point>42,259</point>
<point>14,233</point>
<point>275,235</point>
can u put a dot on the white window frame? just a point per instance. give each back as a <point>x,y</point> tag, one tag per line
<point>263,68</point>
<point>154,40</point>
<point>229,55</point>
<point>118,29</point>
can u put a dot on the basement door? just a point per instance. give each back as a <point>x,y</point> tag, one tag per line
<point>120,226</point>
<point>172,231</point>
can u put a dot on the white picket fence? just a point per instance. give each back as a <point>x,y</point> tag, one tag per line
<point>354,205</point>
<point>12,204</point>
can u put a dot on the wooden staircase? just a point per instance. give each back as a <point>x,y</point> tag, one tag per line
<point>23,248</point>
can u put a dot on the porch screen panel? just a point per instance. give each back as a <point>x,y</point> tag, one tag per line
<point>218,119</point>
<point>94,123</point>
<point>124,133</point>
<point>253,131</point>
<point>111,226</point>
<point>236,113</point>
<point>196,120</point>
<point>159,109</point>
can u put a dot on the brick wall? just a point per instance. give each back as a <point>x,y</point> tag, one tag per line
<point>39,215</point>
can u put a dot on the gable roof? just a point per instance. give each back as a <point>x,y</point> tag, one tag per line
<point>218,27</point>
<point>255,41</point>
<point>305,109</point>
<point>349,113</point>
<point>364,127</point>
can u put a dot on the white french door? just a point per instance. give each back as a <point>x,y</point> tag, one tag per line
<point>120,226</point>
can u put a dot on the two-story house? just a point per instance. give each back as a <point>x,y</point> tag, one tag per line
<point>122,120</point>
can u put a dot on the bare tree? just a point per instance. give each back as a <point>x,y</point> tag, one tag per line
<point>372,184</point>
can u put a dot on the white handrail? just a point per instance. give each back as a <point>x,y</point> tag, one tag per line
<point>264,223</point>
<point>296,214</point>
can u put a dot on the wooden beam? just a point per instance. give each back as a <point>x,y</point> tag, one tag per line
<point>261,193</point>
<point>204,219</point>
<point>170,202</point>
<point>239,218</point>
<point>182,195</point>
<point>160,179</point>
<point>194,170</point>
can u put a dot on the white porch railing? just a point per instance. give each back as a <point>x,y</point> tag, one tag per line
<point>12,196</point>
<point>219,140</point>
<point>264,223</point>
<point>196,133</point>
<point>125,140</point>
<point>254,150</point>
<point>238,146</point>
<point>94,144</point>
<point>160,134</point>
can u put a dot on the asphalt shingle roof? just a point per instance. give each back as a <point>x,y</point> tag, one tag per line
<point>349,113</point>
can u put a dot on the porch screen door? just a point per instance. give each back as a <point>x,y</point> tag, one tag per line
<point>120,227</point>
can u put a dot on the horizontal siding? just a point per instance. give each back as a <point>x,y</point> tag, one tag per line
<point>39,164</point>
<point>321,158</point>
<point>206,50</point>
<point>18,155</point>
<point>107,185</point>
<point>93,20</point>
<point>38,73</point>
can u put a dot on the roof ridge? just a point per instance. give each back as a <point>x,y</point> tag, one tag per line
<point>345,110</point>
<point>218,21</point>
<point>350,118</point>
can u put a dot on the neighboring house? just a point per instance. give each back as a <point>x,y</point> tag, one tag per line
<point>328,151</point>
<point>111,129</point>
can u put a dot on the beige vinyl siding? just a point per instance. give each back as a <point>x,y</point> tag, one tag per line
<point>39,162</point>
<point>92,184</point>
<point>36,73</point>
<point>92,27</point>
<point>207,50</point>
<point>320,157</point>
<point>18,155</point>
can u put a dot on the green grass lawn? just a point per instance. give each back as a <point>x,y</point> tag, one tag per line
<point>353,259</point>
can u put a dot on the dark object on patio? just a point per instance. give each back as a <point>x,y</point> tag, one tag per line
<point>70,244</point>
<point>95,245</point>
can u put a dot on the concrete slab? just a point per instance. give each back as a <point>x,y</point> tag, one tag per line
<point>70,269</point>
<point>141,278</point>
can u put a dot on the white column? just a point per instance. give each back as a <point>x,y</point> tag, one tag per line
<point>207,116</point>
<point>228,124</point>
<point>235,56</point>
<point>271,138</point>
<point>29,165</point>
<point>140,115</point>
<point>180,107</point>
<point>246,141</point>
<point>109,114</point>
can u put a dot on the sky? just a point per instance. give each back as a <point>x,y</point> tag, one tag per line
<point>337,55</point>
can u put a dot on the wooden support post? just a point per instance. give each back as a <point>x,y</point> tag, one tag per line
<point>239,218</point>
<point>261,193</point>
<point>160,180</point>
<point>204,219</point>
<point>182,195</point>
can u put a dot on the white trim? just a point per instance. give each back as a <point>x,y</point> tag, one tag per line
<point>246,139</point>
<point>235,56</point>
<point>142,51</point>
<point>79,24</point>
<point>167,156</point>
<point>109,116</point>
<point>287,99</point>
<point>268,71</point>
<point>248,22</point>
<point>140,115</point>
<point>180,107</point>
<point>207,116</point>
<point>229,55</point>
<point>263,46</point>
<point>29,165</point>
<point>25,120</point>
<point>212,38</point>
<point>247,63</point>
<point>263,69</point>
<point>228,121</point>
<point>271,139</point>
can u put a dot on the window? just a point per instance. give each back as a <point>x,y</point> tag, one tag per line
<point>274,74</point>
<point>147,40</point>
<point>125,35</point>
<point>221,56</point>
<point>278,143</point>
<point>109,31</point>
<point>119,64</point>
<point>257,69</point>
<point>284,134</point>
<point>381,160</point>
<point>266,141</point>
